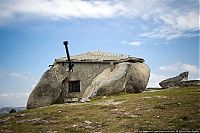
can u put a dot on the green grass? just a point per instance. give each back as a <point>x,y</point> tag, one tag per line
<point>168,109</point>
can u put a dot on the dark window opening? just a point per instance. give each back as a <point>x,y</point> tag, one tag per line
<point>74,86</point>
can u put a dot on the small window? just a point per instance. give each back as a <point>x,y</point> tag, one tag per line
<point>74,86</point>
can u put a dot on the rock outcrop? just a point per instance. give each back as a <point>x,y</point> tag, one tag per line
<point>127,77</point>
<point>49,89</point>
<point>190,83</point>
<point>174,81</point>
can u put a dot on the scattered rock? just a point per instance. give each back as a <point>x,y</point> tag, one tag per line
<point>88,127</point>
<point>74,125</point>
<point>5,120</point>
<point>133,116</point>
<point>114,110</point>
<point>147,97</point>
<point>83,100</point>
<point>104,97</point>
<point>126,113</point>
<point>137,109</point>
<point>179,103</point>
<point>109,102</point>
<point>88,122</point>
<point>20,115</point>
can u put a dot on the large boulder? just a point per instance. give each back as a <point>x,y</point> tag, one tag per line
<point>127,77</point>
<point>49,89</point>
<point>174,81</point>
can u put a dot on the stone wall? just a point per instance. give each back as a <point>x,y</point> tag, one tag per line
<point>86,72</point>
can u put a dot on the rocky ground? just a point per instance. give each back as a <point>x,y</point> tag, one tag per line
<point>168,109</point>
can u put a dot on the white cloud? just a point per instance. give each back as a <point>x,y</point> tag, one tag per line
<point>56,9</point>
<point>18,76</point>
<point>191,68</point>
<point>172,70</point>
<point>4,95</point>
<point>172,20</point>
<point>2,73</point>
<point>177,68</point>
<point>134,43</point>
<point>172,67</point>
<point>155,79</point>
<point>14,99</point>
<point>176,23</point>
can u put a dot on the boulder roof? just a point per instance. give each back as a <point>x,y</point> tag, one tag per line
<point>99,56</point>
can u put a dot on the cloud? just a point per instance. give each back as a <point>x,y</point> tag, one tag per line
<point>15,75</point>
<point>155,79</point>
<point>59,9</point>
<point>168,19</point>
<point>191,68</point>
<point>14,99</point>
<point>194,70</point>
<point>18,76</point>
<point>175,23</point>
<point>2,73</point>
<point>172,67</point>
<point>172,70</point>
<point>132,43</point>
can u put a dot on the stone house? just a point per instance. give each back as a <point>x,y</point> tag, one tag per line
<point>86,68</point>
<point>93,73</point>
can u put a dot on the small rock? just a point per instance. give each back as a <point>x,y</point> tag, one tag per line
<point>21,121</point>
<point>104,97</point>
<point>126,113</point>
<point>137,109</point>
<point>12,111</point>
<point>59,111</point>
<point>88,127</point>
<point>74,126</point>
<point>88,122</point>
<point>179,103</point>
<point>4,120</point>
<point>114,110</point>
<point>147,97</point>
<point>134,116</point>
<point>20,115</point>
<point>83,100</point>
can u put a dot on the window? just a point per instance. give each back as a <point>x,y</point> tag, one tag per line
<point>74,86</point>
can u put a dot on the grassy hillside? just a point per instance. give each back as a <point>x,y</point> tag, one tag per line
<point>169,109</point>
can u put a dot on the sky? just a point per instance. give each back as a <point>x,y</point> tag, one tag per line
<point>163,32</point>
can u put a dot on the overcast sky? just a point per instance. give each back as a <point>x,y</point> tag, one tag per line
<point>163,32</point>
